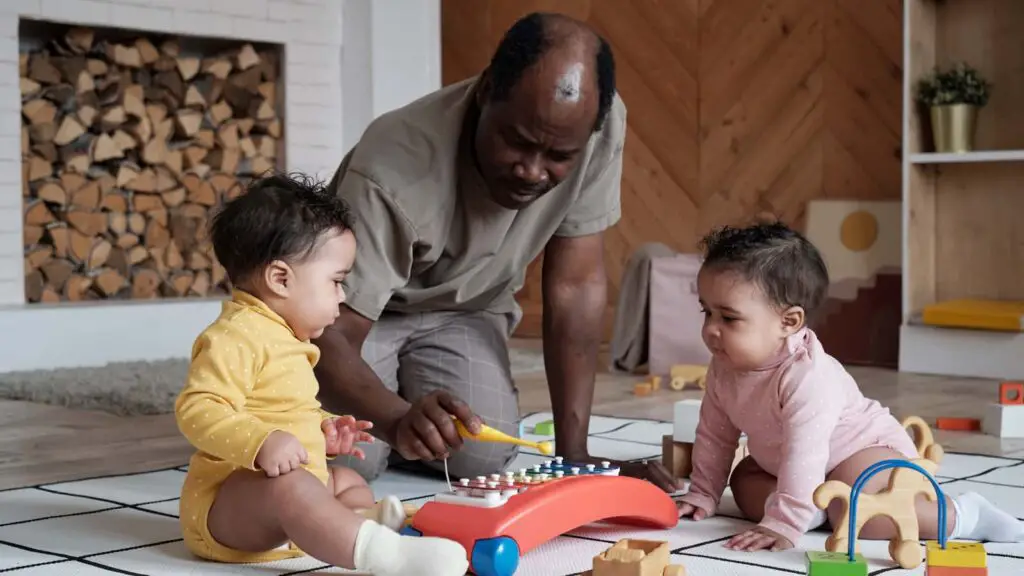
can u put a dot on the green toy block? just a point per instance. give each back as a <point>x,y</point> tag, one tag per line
<point>835,564</point>
<point>545,428</point>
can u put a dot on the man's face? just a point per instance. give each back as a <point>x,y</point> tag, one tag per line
<point>528,143</point>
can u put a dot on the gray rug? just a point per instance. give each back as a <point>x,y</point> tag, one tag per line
<point>139,388</point>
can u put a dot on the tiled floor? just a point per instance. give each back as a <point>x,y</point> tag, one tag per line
<point>40,444</point>
<point>127,524</point>
<point>50,449</point>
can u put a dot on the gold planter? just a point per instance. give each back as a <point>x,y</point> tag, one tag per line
<point>953,127</point>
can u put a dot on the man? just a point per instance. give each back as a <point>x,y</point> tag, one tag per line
<point>454,195</point>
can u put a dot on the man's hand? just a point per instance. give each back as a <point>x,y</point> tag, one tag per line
<point>427,431</point>
<point>342,433</point>
<point>280,454</point>
<point>654,472</point>
<point>758,538</point>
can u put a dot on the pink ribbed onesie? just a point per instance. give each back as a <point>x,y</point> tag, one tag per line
<point>803,415</point>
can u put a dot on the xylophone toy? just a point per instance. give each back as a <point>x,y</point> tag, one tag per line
<point>499,518</point>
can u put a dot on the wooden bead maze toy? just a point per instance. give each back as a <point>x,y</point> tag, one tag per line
<point>924,441</point>
<point>499,518</point>
<point>896,502</point>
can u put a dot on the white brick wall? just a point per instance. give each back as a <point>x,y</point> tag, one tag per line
<point>309,29</point>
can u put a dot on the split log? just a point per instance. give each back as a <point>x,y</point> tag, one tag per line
<point>128,147</point>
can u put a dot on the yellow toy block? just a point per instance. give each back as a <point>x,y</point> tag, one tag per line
<point>1005,315</point>
<point>956,555</point>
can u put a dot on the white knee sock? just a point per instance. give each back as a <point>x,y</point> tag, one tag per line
<point>383,552</point>
<point>978,519</point>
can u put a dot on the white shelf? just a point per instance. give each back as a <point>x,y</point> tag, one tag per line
<point>965,157</point>
<point>961,352</point>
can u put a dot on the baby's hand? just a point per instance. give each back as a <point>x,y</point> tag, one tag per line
<point>758,538</point>
<point>342,433</point>
<point>697,512</point>
<point>280,454</point>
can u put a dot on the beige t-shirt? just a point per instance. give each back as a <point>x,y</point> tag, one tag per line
<point>430,238</point>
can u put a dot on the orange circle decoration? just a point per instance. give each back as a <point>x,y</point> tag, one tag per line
<point>859,231</point>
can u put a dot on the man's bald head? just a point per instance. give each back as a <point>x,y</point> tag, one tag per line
<point>561,58</point>
<point>549,87</point>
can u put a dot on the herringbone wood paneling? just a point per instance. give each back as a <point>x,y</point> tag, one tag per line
<point>735,108</point>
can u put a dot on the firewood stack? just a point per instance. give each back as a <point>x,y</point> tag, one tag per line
<point>128,148</point>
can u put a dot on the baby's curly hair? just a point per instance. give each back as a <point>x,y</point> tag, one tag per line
<point>779,260</point>
<point>280,216</point>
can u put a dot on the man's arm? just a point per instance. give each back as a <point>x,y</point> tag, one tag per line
<point>348,384</point>
<point>574,287</point>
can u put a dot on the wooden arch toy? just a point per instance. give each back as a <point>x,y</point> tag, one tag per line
<point>897,502</point>
<point>924,441</point>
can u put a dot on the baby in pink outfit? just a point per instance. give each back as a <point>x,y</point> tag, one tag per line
<point>805,419</point>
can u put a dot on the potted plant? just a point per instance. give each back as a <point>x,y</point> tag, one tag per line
<point>953,98</point>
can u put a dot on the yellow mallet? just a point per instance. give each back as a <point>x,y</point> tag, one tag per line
<point>488,434</point>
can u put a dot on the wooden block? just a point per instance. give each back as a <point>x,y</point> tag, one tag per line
<point>1004,420</point>
<point>686,414</point>
<point>821,563</point>
<point>629,557</point>
<point>956,554</point>
<point>954,571</point>
<point>959,424</point>
<point>655,382</point>
<point>674,570</point>
<point>676,456</point>
<point>1011,393</point>
<point>642,389</point>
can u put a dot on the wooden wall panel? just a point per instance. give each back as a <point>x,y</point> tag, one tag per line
<point>735,108</point>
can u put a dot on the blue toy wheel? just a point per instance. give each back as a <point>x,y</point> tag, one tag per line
<point>495,557</point>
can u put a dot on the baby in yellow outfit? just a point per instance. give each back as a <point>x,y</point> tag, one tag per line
<point>258,488</point>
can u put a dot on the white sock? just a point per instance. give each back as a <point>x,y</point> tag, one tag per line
<point>978,519</point>
<point>384,552</point>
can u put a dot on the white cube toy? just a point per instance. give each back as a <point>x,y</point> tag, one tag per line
<point>684,421</point>
<point>1004,420</point>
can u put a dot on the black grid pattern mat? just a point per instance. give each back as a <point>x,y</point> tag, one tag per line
<point>128,524</point>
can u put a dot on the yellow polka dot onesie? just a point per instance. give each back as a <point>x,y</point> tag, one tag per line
<point>249,376</point>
